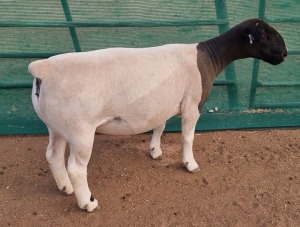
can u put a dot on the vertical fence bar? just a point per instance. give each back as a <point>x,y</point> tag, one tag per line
<point>254,83</point>
<point>262,9</point>
<point>232,90</point>
<point>73,33</point>
<point>261,14</point>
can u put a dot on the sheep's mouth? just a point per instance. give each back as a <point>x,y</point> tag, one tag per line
<point>275,60</point>
<point>280,57</point>
<point>271,61</point>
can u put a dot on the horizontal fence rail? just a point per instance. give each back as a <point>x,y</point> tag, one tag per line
<point>73,24</point>
<point>281,20</point>
<point>10,85</point>
<point>28,55</point>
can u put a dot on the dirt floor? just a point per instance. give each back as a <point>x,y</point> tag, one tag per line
<point>247,178</point>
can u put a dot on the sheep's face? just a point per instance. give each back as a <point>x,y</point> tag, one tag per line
<point>265,42</point>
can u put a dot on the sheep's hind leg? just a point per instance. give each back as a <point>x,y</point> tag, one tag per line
<point>55,155</point>
<point>155,150</point>
<point>80,153</point>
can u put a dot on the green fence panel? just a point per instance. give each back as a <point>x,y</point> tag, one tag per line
<point>256,83</point>
<point>32,29</point>
<point>86,21</point>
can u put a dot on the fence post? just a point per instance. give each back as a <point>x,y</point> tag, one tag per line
<point>232,90</point>
<point>73,33</point>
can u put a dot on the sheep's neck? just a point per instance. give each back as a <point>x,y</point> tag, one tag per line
<point>215,54</point>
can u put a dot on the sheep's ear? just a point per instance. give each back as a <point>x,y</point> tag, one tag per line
<point>254,34</point>
<point>251,38</point>
<point>261,33</point>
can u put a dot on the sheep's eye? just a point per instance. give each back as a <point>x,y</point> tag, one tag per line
<point>266,37</point>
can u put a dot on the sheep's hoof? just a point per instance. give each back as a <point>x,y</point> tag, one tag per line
<point>67,191</point>
<point>191,170</point>
<point>95,209</point>
<point>157,158</point>
<point>91,206</point>
<point>195,170</point>
<point>156,154</point>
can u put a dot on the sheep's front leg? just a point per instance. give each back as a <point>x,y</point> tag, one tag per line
<point>80,153</point>
<point>155,150</point>
<point>55,155</point>
<point>189,120</point>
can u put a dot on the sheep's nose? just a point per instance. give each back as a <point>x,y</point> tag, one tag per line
<point>284,54</point>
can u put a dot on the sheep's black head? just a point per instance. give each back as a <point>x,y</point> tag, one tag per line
<point>263,41</point>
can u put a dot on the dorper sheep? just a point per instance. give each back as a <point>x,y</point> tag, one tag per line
<point>126,91</point>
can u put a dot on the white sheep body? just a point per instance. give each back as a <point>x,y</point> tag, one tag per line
<point>120,91</point>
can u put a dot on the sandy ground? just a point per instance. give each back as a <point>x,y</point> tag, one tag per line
<point>247,178</point>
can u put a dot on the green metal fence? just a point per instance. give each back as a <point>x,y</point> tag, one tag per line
<point>221,21</point>
<point>39,29</point>
<point>255,84</point>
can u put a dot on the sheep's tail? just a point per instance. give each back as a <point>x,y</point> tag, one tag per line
<point>39,69</point>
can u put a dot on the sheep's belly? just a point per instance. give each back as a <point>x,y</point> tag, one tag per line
<point>144,120</point>
<point>119,126</point>
<point>117,130</point>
